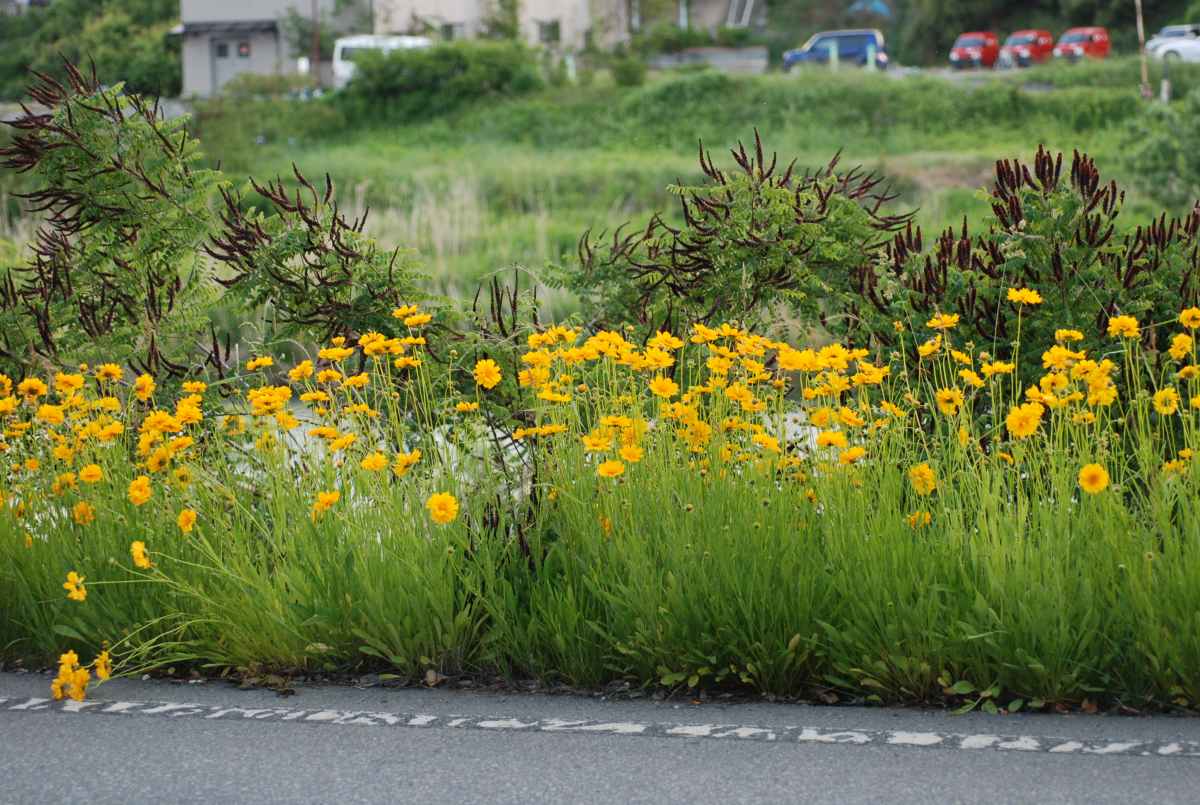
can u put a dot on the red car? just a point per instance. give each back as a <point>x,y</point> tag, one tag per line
<point>1023,48</point>
<point>975,49</point>
<point>1079,43</point>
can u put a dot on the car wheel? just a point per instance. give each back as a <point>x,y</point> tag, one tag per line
<point>1173,56</point>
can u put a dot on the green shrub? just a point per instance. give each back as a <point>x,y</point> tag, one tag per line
<point>1162,151</point>
<point>669,38</point>
<point>629,71</point>
<point>417,84</point>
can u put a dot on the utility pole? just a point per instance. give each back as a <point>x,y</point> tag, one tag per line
<point>315,47</point>
<point>1141,28</point>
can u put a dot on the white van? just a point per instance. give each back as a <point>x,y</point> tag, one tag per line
<point>348,48</point>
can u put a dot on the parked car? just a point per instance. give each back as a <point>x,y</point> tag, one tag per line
<point>1172,35</point>
<point>349,48</point>
<point>1023,48</point>
<point>1178,50</point>
<point>975,49</point>
<point>1079,43</point>
<point>852,47</point>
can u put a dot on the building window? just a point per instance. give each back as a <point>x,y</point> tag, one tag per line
<point>549,32</point>
<point>243,50</point>
<point>222,50</point>
<point>453,30</point>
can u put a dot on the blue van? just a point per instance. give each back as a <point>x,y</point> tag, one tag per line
<point>852,48</point>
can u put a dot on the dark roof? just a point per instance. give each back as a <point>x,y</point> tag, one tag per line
<point>231,27</point>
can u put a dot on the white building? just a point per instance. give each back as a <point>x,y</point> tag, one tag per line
<point>226,38</point>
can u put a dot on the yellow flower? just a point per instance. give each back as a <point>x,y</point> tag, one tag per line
<point>1181,346</point>
<point>631,452</point>
<point>1093,478</point>
<point>852,455</point>
<point>997,368</point>
<point>929,347</point>
<point>443,508</point>
<point>487,373</point>
<point>31,388</point>
<point>664,387</point>
<point>143,387</point>
<point>108,372</point>
<point>969,377</point>
<point>831,438</point>
<point>403,312</point>
<point>405,462</point>
<point>943,321</point>
<point>103,665</point>
<point>1124,326</point>
<point>324,503</point>
<point>923,478</point>
<point>919,519</point>
<point>1190,318</point>
<point>1068,335</point>
<point>186,521</point>
<point>259,363</point>
<point>466,407</point>
<point>1166,401</point>
<point>139,490</point>
<point>141,559</point>
<point>417,319</point>
<point>301,371</point>
<point>374,462</point>
<point>51,414</point>
<point>356,381</point>
<point>1023,420</point>
<point>1195,402</point>
<point>76,591</point>
<point>665,341</point>
<point>83,513</point>
<point>1024,296</point>
<point>610,469</point>
<point>949,401</point>
<point>195,387</point>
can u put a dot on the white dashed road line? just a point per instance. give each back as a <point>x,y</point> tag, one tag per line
<point>796,735</point>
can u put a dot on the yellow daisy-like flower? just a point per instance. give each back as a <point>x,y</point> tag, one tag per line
<point>610,469</point>
<point>76,591</point>
<point>466,407</point>
<point>943,321</point>
<point>1067,336</point>
<point>1166,401</point>
<point>143,387</point>
<point>259,363</point>
<point>443,508</point>
<point>103,665</point>
<point>664,387</point>
<point>141,558</point>
<point>1093,478</point>
<point>374,462</point>
<point>1024,296</point>
<point>487,373</point>
<point>140,490</point>
<point>949,401</point>
<point>923,479</point>
<point>920,519</point>
<point>631,453</point>
<point>1190,318</point>
<point>852,455</point>
<point>83,513</point>
<point>831,438</point>
<point>1123,326</point>
<point>405,462</point>
<point>1023,420</point>
<point>186,521</point>
<point>324,502</point>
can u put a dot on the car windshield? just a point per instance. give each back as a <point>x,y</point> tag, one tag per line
<point>845,43</point>
<point>1021,39</point>
<point>1075,37</point>
<point>1183,30</point>
<point>352,54</point>
<point>969,42</point>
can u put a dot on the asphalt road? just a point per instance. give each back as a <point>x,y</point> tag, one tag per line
<point>136,742</point>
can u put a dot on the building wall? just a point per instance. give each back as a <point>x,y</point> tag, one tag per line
<point>408,16</point>
<point>204,73</point>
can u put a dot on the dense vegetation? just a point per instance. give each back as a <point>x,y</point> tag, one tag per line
<point>796,446</point>
<point>127,40</point>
